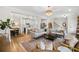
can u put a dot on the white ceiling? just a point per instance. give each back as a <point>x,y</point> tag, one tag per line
<point>57,10</point>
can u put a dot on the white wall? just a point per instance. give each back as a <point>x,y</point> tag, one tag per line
<point>6,12</point>
<point>59,21</point>
<point>18,15</point>
<point>70,18</point>
<point>72,23</point>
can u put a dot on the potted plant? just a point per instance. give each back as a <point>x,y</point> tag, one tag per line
<point>4,24</point>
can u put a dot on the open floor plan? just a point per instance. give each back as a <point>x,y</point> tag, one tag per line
<point>39,28</point>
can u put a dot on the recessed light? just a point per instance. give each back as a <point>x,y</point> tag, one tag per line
<point>69,10</point>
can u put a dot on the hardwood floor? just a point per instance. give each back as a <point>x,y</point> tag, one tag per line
<point>15,44</point>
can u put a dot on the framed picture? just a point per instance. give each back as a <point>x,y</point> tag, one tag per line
<point>43,25</point>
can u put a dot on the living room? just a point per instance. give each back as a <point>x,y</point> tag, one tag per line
<point>39,28</point>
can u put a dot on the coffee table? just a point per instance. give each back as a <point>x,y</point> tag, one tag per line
<point>50,36</point>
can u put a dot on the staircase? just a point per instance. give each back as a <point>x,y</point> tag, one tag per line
<point>77,31</point>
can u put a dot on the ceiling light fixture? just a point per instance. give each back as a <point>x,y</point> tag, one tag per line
<point>49,11</point>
